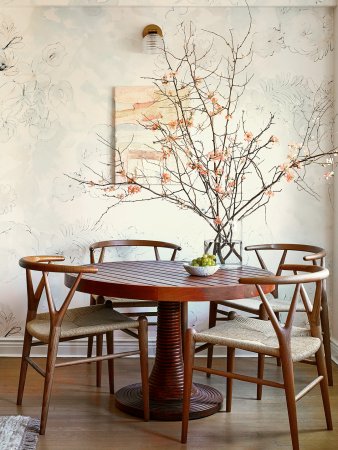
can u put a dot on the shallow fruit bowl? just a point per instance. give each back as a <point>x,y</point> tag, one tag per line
<point>201,271</point>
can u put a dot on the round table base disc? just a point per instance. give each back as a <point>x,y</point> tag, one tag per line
<point>205,402</point>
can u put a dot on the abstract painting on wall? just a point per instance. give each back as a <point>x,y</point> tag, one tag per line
<point>137,108</point>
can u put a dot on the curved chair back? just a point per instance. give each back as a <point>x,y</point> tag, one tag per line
<point>102,245</point>
<point>45,265</point>
<point>312,253</point>
<point>309,274</point>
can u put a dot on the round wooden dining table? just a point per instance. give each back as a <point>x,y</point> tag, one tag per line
<point>169,284</point>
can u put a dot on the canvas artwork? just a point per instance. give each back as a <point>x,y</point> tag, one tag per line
<point>136,110</point>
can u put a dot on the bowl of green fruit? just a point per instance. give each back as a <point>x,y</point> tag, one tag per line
<point>203,266</point>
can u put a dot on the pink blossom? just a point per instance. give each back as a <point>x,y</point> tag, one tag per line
<point>284,167</point>
<point>109,189</point>
<point>218,155</point>
<point>274,139</point>
<point>231,183</point>
<point>228,117</point>
<point>155,126</point>
<point>187,122</point>
<point>294,146</point>
<point>133,189</point>
<point>269,193</point>
<point>219,171</point>
<point>219,189</point>
<point>217,220</point>
<point>172,138</point>
<point>201,169</point>
<point>328,175</point>
<point>289,176</point>
<point>165,178</point>
<point>248,136</point>
<point>173,124</point>
<point>166,152</point>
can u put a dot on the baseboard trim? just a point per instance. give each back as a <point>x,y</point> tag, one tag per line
<point>12,347</point>
<point>334,350</point>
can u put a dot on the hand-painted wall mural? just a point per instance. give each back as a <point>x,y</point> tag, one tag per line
<point>58,69</point>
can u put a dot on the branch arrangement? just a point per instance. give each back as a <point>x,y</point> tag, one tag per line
<point>207,159</point>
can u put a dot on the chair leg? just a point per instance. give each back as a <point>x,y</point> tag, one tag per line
<point>189,344</point>
<point>24,364</point>
<point>212,323</point>
<point>90,338</point>
<point>90,346</point>
<point>184,319</point>
<point>278,361</point>
<point>110,351</point>
<point>99,345</point>
<point>321,368</point>
<point>260,374</point>
<point>143,346</point>
<point>230,368</point>
<point>324,317</point>
<point>50,366</point>
<point>289,386</point>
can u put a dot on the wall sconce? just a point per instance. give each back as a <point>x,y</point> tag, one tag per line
<point>152,39</point>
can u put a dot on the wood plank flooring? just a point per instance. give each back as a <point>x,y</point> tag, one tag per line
<point>83,417</point>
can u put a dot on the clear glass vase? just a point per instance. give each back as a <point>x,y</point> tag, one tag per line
<point>227,246</point>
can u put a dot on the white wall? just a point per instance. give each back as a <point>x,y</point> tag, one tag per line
<point>51,110</point>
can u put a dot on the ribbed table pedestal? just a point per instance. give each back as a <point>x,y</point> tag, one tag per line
<point>166,379</point>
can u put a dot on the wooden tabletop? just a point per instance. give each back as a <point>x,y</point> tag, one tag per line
<point>166,281</point>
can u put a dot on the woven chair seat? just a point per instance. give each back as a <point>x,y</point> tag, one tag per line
<point>252,305</point>
<point>84,321</point>
<point>118,302</point>
<point>256,335</point>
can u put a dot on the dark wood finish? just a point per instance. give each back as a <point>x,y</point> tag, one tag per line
<point>312,274</point>
<point>97,255</point>
<point>166,281</point>
<point>44,264</point>
<point>230,368</point>
<point>166,379</point>
<point>314,254</point>
<point>169,284</point>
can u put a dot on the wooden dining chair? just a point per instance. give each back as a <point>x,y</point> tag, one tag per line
<point>98,252</point>
<point>310,253</point>
<point>269,337</point>
<point>62,323</point>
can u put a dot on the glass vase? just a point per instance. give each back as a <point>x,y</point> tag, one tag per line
<point>227,246</point>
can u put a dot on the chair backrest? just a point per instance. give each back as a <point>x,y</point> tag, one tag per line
<point>309,274</point>
<point>102,245</point>
<point>312,253</point>
<point>44,264</point>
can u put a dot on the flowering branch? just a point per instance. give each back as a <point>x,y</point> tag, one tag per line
<point>204,155</point>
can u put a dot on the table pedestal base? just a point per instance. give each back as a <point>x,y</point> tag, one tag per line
<point>204,402</point>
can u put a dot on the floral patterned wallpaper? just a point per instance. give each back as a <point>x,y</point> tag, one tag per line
<point>58,68</point>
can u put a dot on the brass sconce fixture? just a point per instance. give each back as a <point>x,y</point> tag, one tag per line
<point>152,39</point>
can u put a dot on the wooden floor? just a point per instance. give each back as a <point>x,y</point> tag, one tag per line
<point>83,417</point>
